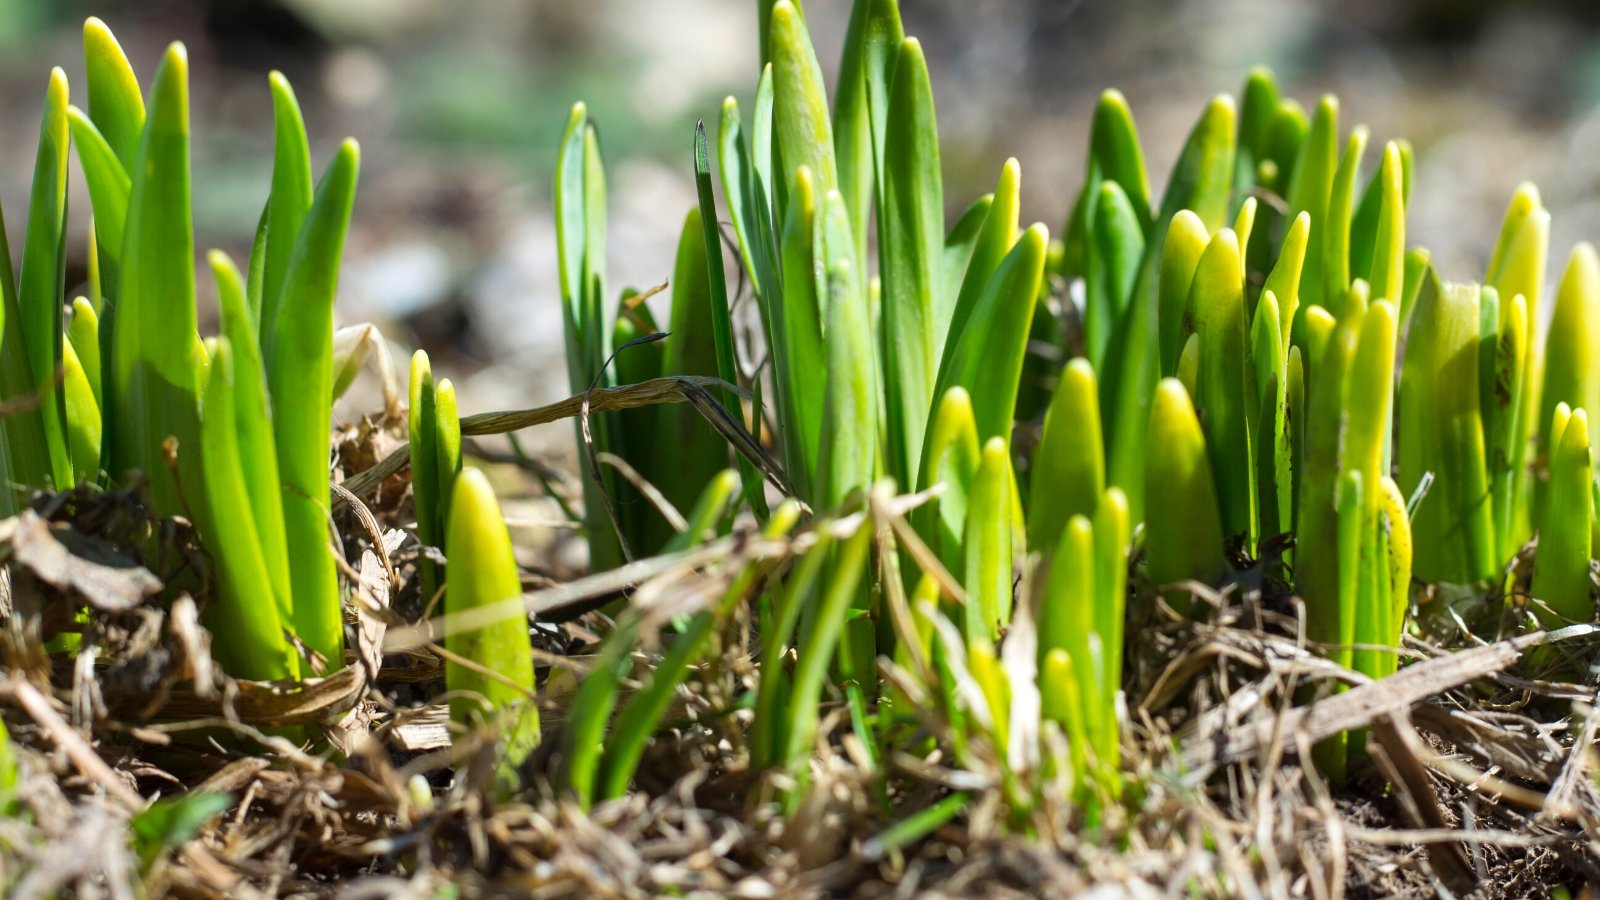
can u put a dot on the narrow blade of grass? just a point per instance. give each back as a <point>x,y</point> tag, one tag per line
<point>299,359</point>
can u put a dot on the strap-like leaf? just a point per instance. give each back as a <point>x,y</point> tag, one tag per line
<point>482,571</point>
<point>248,634</point>
<point>299,357</point>
<point>1184,541</point>
<point>914,313</point>
<point>258,455</point>
<point>1068,471</point>
<point>289,201</point>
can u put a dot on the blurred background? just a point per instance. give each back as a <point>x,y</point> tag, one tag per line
<point>459,105</point>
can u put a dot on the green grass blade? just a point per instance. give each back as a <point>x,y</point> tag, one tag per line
<point>799,354</point>
<point>1186,242</point>
<point>721,316</point>
<point>642,712</point>
<point>953,457</point>
<point>1318,574</point>
<point>584,737</point>
<point>1115,248</point>
<point>825,628</point>
<point>1258,110</point>
<point>988,545</point>
<point>749,209</point>
<point>1397,526</point>
<point>993,241</point>
<point>1369,399</point>
<point>1310,187</point>
<point>1441,431</point>
<point>769,727</point>
<point>849,433</point>
<point>426,492</point>
<point>1114,156</point>
<point>861,101</point>
<point>82,415</point>
<point>258,457</point>
<point>115,102</point>
<point>915,312</point>
<point>1378,231</point>
<point>483,571</point>
<point>1506,366</point>
<point>1289,132</point>
<point>1418,263</point>
<point>580,196</point>
<point>1367,424</point>
<point>299,359</point>
<point>689,452</point>
<point>1225,391</point>
<point>1561,567</point>
<point>1284,280</point>
<point>1273,447</point>
<point>1335,241</point>
<point>1183,541</point>
<point>290,200</point>
<point>1334,626</point>
<point>801,122</point>
<point>763,150</point>
<point>448,448</point>
<point>1518,263</point>
<point>247,633</point>
<point>1113,530</point>
<point>988,353</point>
<point>1065,623</point>
<point>959,245</point>
<point>1200,182</point>
<point>709,510</point>
<point>83,333</point>
<point>1068,472</point>
<point>1572,350</point>
<point>633,433</point>
<point>155,359</point>
<point>31,348</point>
<point>109,191</point>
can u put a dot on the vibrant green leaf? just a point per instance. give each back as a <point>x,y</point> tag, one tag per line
<point>247,633</point>
<point>987,542</point>
<point>915,313</point>
<point>1309,190</point>
<point>482,572</point>
<point>1441,432</point>
<point>258,456</point>
<point>986,357</point>
<point>849,437</point>
<point>1115,249</point>
<point>115,102</point>
<point>290,200</point>
<point>1335,241</point>
<point>155,358</point>
<point>1184,540</point>
<point>1225,392</point>
<point>1186,241</point>
<point>299,358</point>
<point>1068,473</point>
<point>801,122</point>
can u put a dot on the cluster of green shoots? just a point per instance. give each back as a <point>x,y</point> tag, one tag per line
<point>1230,398</point>
<point>232,431</point>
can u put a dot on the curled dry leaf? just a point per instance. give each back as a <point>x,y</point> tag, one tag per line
<point>69,561</point>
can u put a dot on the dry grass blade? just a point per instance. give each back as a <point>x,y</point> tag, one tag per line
<point>676,389</point>
<point>1363,705</point>
<point>1402,755</point>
